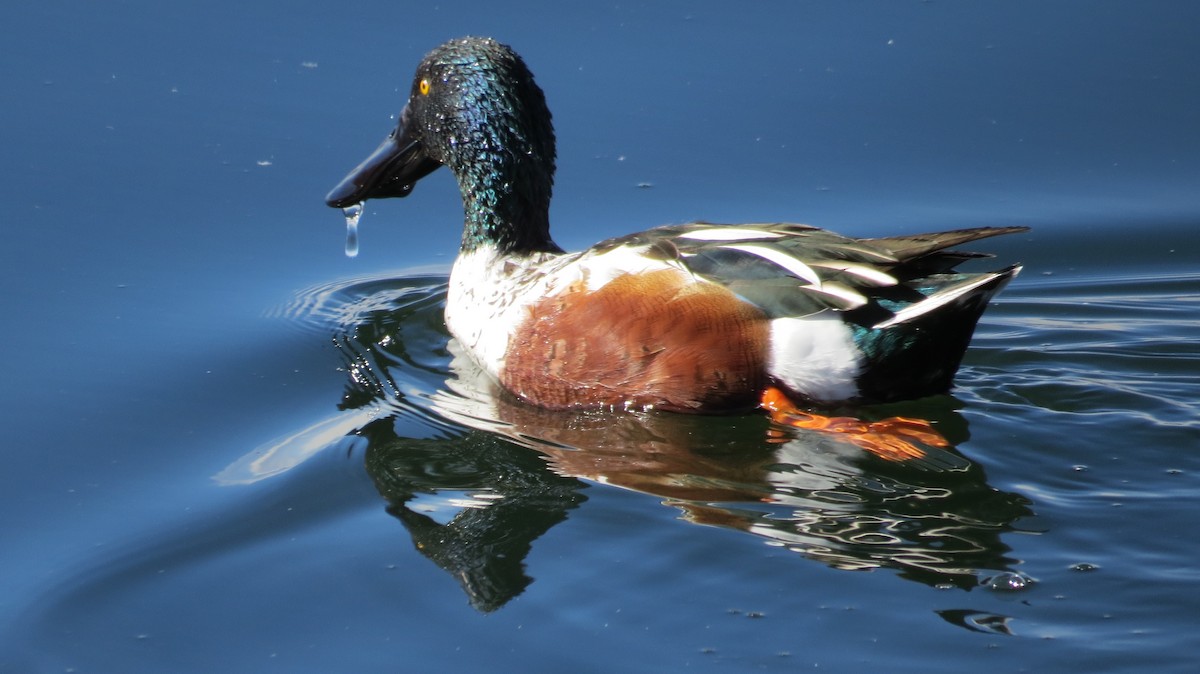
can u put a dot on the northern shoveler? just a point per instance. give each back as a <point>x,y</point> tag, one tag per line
<point>699,317</point>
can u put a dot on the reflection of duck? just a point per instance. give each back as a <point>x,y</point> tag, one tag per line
<point>495,500</point>
<point>694,318</point>
<point>933,517</point>
<point>474,497</point>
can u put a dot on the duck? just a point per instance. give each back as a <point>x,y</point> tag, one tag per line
<point>698,317</point>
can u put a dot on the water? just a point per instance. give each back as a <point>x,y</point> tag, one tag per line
<point>353,213</point>
<point>229,448</point>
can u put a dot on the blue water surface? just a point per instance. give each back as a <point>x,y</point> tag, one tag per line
<point>228,447</point>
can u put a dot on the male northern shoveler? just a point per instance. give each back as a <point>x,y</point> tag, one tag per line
<point>699,317</point>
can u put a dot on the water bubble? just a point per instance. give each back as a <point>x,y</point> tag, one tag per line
<point>352,212</point>
<point>1009,581</point>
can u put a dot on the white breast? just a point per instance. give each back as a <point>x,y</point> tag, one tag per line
<point>485,302</point>
<point>490,294</point>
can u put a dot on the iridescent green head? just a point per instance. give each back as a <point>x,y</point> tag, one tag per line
<point>475,108</point>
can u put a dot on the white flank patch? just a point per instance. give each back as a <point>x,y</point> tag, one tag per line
<point>791,264</point>
<point>815,357</point>
<point>730,234</point>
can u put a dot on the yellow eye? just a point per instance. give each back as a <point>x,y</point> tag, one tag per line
<point>423,87</point>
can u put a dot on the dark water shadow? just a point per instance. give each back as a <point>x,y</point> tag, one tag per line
<point>453,458</point>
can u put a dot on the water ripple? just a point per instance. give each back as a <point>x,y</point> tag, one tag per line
<point>1095,346</point>
<point>1065,361</point>
<point>435,428</point>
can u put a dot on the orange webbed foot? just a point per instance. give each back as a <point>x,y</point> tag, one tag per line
<point>892,439</point>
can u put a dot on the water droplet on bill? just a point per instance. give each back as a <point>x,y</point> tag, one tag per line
<point>352,212</point>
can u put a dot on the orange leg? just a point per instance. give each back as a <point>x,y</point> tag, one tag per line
<point>892,439</point>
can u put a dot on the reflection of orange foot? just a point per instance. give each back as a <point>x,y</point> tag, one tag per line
<point>891,439</point>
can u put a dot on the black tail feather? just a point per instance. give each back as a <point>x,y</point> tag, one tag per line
<point>920,356</point>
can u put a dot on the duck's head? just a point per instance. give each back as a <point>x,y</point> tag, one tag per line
<point>475,108</point>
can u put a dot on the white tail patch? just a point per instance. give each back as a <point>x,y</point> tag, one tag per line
<point>927,305</point>
<point>787,262</point>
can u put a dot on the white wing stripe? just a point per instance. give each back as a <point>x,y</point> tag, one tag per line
<point>791,264</point>
<point>851,297</point>
<point>862,271</point>
<point>729,234</point>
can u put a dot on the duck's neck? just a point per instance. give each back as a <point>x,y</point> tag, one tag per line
<point>506,202</point>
